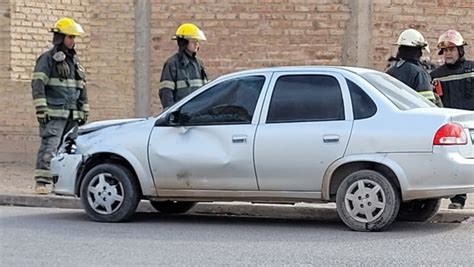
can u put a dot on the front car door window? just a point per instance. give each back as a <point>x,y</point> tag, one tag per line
<point>230,102</point>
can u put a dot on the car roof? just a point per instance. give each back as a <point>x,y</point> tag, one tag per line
<point>357,70</point>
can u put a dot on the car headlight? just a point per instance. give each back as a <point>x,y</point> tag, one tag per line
<point>68,144</point>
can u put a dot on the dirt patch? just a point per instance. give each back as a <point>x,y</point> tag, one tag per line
<point>16,177</point>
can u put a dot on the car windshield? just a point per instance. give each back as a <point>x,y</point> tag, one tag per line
<point>396,91</point>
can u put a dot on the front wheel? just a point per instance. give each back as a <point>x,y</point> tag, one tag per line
<point>109,193</point>
<point>418,210</point>
<point>172,207</point>
<point>367,201</point>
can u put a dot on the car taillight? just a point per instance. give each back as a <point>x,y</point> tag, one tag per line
<point>450,134</point>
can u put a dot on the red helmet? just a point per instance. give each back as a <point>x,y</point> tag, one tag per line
<point>450,38</point>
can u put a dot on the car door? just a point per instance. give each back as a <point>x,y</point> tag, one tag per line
<point>305,126</point>
<point>210,147</point>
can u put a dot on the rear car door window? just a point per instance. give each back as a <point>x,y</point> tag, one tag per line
<point>298,98</point>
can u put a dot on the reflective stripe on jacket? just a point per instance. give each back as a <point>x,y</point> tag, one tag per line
<point>181,75</point>
<point>411,73</point>
<point>456,83</point>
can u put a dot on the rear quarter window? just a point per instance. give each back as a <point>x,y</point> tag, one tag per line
<point>362,105</point>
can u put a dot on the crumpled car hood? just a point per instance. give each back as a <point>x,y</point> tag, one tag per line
<point>97,125</point>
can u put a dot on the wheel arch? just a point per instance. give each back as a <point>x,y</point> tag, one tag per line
<point>340,169</point>
<point>101,158</point>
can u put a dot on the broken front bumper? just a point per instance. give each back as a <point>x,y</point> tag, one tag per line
<point>65,168</point>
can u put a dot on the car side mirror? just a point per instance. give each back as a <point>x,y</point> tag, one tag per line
<point>171,119</point>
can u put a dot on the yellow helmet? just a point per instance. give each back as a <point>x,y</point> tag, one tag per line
<point>67,26</point>
<point>189,31</point>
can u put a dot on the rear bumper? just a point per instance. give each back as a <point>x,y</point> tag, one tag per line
<point>65,168</point>
<point>442,173</point>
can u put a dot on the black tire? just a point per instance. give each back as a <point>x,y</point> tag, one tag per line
<point>367,201</point>
<point>172,207</point>
<point>113,189</point>
<point>418,210</point>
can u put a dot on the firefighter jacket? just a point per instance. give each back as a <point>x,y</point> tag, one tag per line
<point>454,83</point>
<point>412,73</point>
<point>182,74</point>
<point>58,85</point>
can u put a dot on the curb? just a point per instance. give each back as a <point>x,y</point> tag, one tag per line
<point>42,201</point>
<point>326,212</point>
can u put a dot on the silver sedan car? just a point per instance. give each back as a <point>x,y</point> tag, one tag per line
<point>353,136</point>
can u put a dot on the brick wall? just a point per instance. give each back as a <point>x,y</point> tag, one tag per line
<point>4,39</point>
<point>246,34</point>
<point>24,36</point>
<point>31,21</point>
<point>106,50</point>
<point>241,34</point>
<point>430,17</point>
<point>13,133</point>
<point>110,72</point>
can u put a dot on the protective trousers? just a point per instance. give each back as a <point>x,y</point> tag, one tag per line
<point>51,134</point>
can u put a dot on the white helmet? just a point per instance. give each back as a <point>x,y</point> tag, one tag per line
<point>413,38</point>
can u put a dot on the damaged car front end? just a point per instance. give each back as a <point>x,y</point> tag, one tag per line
<point>72,156</point>
<point>66,164</point>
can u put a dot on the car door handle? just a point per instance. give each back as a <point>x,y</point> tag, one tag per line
<point>239,139</point>
<point>331,138</point>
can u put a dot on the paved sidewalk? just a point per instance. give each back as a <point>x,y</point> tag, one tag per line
<point>16,188</point>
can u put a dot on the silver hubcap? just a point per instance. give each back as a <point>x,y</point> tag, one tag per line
<point>365,201</point>
<point>105,193</point>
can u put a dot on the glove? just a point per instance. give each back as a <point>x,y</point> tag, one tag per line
<point>42,117</point>
<point>63,69</point>
<point>61,64</point>
<point>83,120</point>
<point>438,101</point>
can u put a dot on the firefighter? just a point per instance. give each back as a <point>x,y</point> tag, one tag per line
<point>407,67</point>
<point>59,96</point>
<point>183,73</point>
<point>454,82</point>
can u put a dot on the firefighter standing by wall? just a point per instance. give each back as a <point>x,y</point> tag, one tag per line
<point>59,96</point>
<point>407,66</point>
<point>454,82</point>
<point>183,73</point>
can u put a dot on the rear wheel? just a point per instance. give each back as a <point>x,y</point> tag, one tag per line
<point>418,210</point>
<point>109,193</point>
<point>367,201</point>
<point>172,207</point>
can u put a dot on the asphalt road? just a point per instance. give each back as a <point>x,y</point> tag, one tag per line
<point>59,237</point>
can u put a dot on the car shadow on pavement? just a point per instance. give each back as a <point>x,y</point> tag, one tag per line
<point>153,225</point>
<point>267,221</point>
